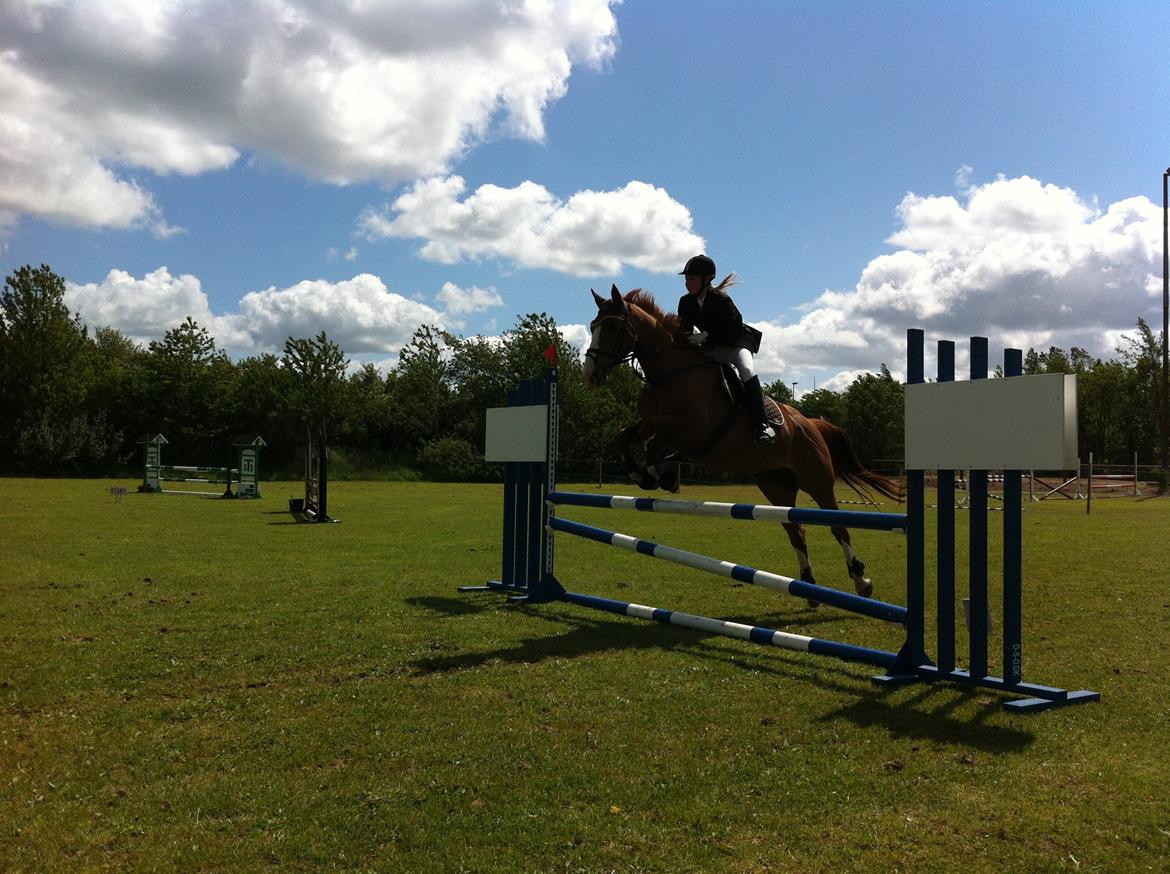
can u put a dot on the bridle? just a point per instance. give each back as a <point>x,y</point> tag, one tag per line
<point>605,360</point>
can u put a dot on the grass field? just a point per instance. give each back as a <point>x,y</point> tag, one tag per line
<point>192,684</point>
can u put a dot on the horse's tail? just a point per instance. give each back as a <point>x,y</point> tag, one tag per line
<point>849,467</point>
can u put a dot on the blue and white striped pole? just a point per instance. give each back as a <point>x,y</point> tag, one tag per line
<point>759,512</point>
<point>742,573</point>
<point>754,633</point>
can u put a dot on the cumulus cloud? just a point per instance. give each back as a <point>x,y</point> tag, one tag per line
<point>361,314</point>
<point>1026,263</point>
<point>342,92</point>
<point>593,233</point>
<point>458,302</point>
<point>145,309</point>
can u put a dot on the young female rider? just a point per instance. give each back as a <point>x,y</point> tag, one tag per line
<point>712,322</point>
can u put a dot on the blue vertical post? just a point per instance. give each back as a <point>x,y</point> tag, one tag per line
<point>977,549</point>
<point>534,501</point>
<point>915,522</point>
<point>945,526</point>
<point>1013,552</point>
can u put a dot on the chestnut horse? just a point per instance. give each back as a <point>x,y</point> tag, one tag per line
<point>687,405</point>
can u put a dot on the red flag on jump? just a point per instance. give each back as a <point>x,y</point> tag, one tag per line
<point>550,355</point>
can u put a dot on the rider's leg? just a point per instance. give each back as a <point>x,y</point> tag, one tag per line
<point>755,395</point>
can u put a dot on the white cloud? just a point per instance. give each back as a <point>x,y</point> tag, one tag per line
<point>145,309</point>
<point>360,314</point>
<point>459,302</point>
<point>1018,261</point>
<point>593,233</point>
<point>343,92</point>
<point>576,335</point>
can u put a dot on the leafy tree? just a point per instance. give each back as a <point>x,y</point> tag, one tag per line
<point>875,409</point>
<point>317,367</point>
<point>1141,355</point>
<point>187,384</point>
<point>421,389</point>
<point>45,377</point>
<point>823,403</point>
<point>781,392</point>
<point>260,401</point>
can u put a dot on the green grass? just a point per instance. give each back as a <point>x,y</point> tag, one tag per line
<point>202,685</point>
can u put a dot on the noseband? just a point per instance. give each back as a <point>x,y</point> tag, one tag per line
<point>605,360</point>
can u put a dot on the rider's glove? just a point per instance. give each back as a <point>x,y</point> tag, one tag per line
<point>697,338</point>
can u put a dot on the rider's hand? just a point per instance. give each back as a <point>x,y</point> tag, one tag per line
<point>697,338</point>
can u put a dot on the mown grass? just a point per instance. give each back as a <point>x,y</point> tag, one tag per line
<point>202,685</point>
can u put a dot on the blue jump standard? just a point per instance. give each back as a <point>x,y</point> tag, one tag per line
<point>742,573</point>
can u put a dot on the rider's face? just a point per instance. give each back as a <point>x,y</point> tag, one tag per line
<point>695,283</point>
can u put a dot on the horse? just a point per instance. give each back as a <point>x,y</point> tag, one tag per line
<point>687,403</point>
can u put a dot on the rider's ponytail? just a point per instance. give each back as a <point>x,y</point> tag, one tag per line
<point>729,280</point>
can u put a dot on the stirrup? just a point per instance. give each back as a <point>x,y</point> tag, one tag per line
<point>765,433</point>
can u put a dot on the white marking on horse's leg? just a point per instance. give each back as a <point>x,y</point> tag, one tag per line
<point>805,564</point>
<point>856,569</point>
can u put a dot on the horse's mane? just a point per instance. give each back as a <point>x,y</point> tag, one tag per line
<point>645,301</point>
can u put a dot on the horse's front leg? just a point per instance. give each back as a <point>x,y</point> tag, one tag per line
<point>662,464</point>
<point>635,471</point>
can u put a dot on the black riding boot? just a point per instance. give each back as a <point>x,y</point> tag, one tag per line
<point>755,398</point>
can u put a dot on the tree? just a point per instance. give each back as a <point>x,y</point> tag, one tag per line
<point>421,389</point>
<point>823,403</point>
<point>318,369</point>
<point>187,387</point>
<point>45,377</point>
<point>875,409</point>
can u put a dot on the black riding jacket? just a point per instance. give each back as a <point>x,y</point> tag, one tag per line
<point>719,317</point>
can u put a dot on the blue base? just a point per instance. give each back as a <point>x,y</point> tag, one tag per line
<point>1043,697</point>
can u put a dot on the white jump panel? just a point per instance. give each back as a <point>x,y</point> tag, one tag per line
<point>517,434</point>
<point>1019,423</point>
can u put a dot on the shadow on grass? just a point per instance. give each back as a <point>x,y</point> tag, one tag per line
<point>452,606</point>
<point>931,712</point>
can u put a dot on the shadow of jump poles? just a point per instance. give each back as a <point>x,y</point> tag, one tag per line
<point>978,425</point>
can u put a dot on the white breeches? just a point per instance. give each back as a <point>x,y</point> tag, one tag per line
<point>739,358</point>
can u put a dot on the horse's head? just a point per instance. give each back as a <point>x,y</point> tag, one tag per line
<point>612,338</point>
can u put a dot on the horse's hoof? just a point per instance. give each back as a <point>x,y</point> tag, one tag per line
<point>864,587</point>
<point>813,605</point>
<point>648,483</point>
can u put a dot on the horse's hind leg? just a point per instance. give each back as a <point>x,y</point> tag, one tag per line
<point>826,499</point>
<point>779,487</point>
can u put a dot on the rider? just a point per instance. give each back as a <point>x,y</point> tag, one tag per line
<point>712,322</point>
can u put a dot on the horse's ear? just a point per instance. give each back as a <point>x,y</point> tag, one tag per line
<point>616,296</point>
<point>598,298</point>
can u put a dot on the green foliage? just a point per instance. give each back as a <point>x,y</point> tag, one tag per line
<point>72,403</point>
<point>874,415</point>
<point>453,459</point>
<point>822,403</point>
<point>46,374</point>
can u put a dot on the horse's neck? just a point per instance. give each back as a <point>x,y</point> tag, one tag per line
<point>660,364</point>
<point>652,334</point>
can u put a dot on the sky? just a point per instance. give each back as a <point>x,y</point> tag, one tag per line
<point>276,168</point>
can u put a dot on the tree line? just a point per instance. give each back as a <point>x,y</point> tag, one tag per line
<point>76,403</point>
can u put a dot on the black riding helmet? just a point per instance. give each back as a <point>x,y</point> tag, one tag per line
<point>700,265</point>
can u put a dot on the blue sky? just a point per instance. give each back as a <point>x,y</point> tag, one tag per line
<point>280,168</point>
